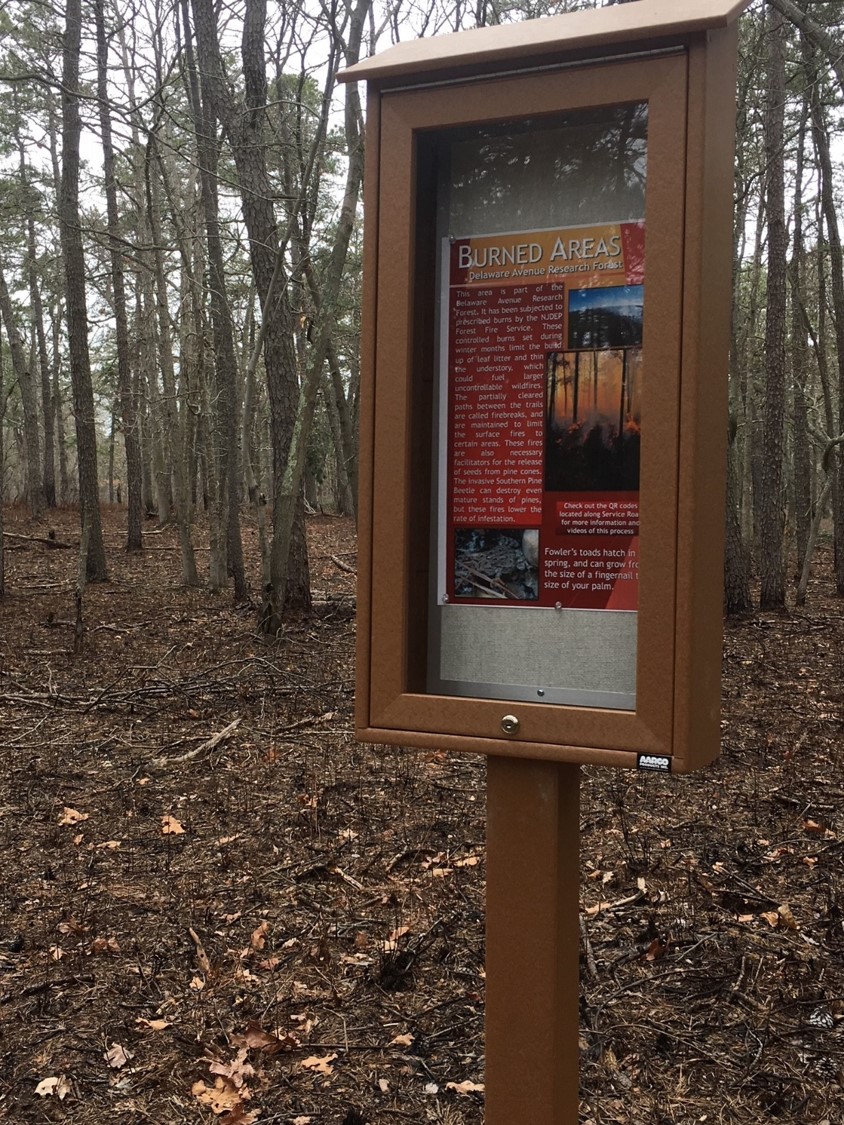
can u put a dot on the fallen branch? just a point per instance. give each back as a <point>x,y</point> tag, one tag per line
<point>587,945</point>
<point>343,566</point>
<point>53,543</point>
<point>604,907</point>
<point>209,744</point>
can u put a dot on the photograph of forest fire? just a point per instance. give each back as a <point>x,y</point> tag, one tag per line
<point>593,394</point>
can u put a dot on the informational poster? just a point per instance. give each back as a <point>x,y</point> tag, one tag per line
<point>543,418</point>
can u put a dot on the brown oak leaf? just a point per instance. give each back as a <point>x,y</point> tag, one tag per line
<point>319,1064</point>
<point>72,816</point>
<point>237,1071</point>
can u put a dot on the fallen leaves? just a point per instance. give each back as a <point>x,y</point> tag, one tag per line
<point>57,1086</point>
<point>255,1038</point>
<point>466,1087</point>
<point>241,1116</point>
<point>656,949</point>
<point>258,938</point>
<point>72,925</point>
<point>319,1064</point>
<point>236,1072</point>
<point>393,939</point>
<point>220,1098</point>
<point>170,826</point>
<point>781,918</point>
<point>72,816</point>
<point>105,945</point>
<point>117,1056</point>
<point>201,956</point>
<point>815,828</point>
<point>229,1092</point>
<point>152,1025</point>
<point>404,1040</point>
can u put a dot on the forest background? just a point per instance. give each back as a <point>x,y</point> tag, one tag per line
<point>180,275</point>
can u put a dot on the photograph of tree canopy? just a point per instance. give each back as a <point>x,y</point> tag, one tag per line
<point>606,317</point>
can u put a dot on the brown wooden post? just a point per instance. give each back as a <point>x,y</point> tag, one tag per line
<point>532,942</point>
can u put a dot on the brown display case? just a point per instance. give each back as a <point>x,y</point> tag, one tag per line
<point>612,674</point>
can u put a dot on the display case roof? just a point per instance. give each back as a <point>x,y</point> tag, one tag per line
<point>633,24</point>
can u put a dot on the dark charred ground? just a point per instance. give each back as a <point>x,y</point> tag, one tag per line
<point>284,926</point>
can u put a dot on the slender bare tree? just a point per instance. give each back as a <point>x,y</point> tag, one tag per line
<point>771,501</point>
<point>75,300</point>
<point>128,413</point>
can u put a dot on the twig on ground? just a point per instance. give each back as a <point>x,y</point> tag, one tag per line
<point>342,566</point>
<point>209,744</point>
<point>201,955</point>
<point>587,945</point>
<point>52,543</point>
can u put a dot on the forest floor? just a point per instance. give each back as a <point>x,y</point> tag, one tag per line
<point>217,907</point>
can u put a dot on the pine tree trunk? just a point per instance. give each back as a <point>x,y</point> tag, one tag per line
<point>134,539</point>
<point>836,270</point>
<point>2,482</point>
<point>29,401</point>
<point>205,113</point>
<point>75,298</point>
<point>244,130</point>
<point>111,433</point>
<point>58,407</point>
<point>799,361</point>
<point>737,597</point>
<point>345,494</point>
<point>172,442</point>
<point>48,475</point>
<point>289,489</point>
<point>772,505</point>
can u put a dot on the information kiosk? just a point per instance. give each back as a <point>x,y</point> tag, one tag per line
<point>548,252</point>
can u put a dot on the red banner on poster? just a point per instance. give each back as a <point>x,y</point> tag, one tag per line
<point>544,420</point>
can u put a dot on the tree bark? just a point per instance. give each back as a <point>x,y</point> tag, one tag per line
<point>329,293</point>
<point>128,414</point>
<point>75,298</point>
<point>737,597</point>
<point>243,125</point>
<point>806,569</point>
<point>830,47</point>
<point>836,270</point>
<point>173,443</point>
<point>48,475</point>
<point>772,506</point>
<point>58,402</point>
<point>206,114</point>
<point>26,385</point>
<point>801,462</point>
<point>55,315</point>
<point>3,397</point>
